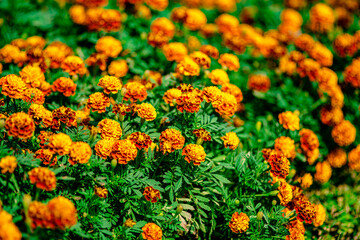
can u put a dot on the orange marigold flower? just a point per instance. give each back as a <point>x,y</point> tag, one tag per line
<point>157,39</point>
<point>231,140</point>
<point>124,151</point>
<point>34,95</point>
<point>188,67</point>
<point>306,181</point>
<point>201,58</point>
<point>63,212</point>
<point>101,192</point>
<point>135,91</point>
<point>44,138</point>
<point>289,120</point>
<point>110,84</point>
<point>194,153</point>
<point>304,209</point>
<point>109,128</point>
<point>151,231</point>
<point>121,109</point>
<point>233,90</point>
<point>322,18</point>
<point>163,26</point>
<point>20,125</point>
<point>219,77</point>
<point>146,111</point>
<point>98,102</point>
<point>226,106</point>
<point>97,59</point>
<point>309,68</point>
<point>194,19</point>
<point>321,54</point>
<point>175,51</point>
<point>337,96</point>
<point>211,51</point>
<point>320,215</point>
<point>141,140</point>
<point>56,53</point>
<point>74,65</point>
<point>171,140</point>
<point>286,146</point>
<point>212,94</point>
<point>159,5</point>
<point>226,23</point>
<point>80,152</point>
<point>151,194</point>
<point>323,172</point>
<point>60,143</point>
<point>331,115</point>
<point>354,159</point>
<point>171,95</point>
<point>285,194</point>
<point>190,102</point>
<point>280,165</point>
<point>230,61</point>
<point>344,133</point>
<point>337,158</point>
<point>259,82</point>
<point>309,140</point>
<point>178,14</point>
<point>63,115</point>
<point>46,156</point>
<point>118,68</point>
<point>239,223</point>
<point>8,230</point>
<point>35,41</point>
<point>9,53</point>
<point>129,223</point>
<point>345,45</point>
<point>109,46</point>
<point>352,73</point>
<point>64,85</point>
<point>8,164</point>
<point>32,76</point>
<point>12,86</point>
<point>304,42</point>
<point>202,135</point>
<point>104,147</point>
<point>40,215</point>
<point>43,178</point>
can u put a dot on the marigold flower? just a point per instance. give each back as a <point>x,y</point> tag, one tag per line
<point>44,138</point>
<point>194,19</point>
<point>352,73</point>
<point>322,18</point>
<point>202,135</point>
<point>279,163</point>
<point>309,140</point>
<point>201,58</point>
<point>43,178</point>
<point>171,140</point>
<point>194,153</point>
<point>124,151</point>
<point>129,223</point>
<point>344,133</point>
<point>118,68</point>
<point>337,158</point>
<point>98,102</point>
<point>211,51</point>
<point>56,53</point>
<point>146,111</point>
<point>309,68</point>
<point>289,120</point>
<point>78,14</point>
<point>226,23</point>
<point>64,85</point>
<point>110,84</point>
<point>60,143</point>
<point>233,90</point>
<point>331,115</point>
<point>9,53</point>
<point>121,109</point>
<point>8,230</point>
<point>151,194</point>
<point>188,67</point>
<point>109,46</point>
<point>321,54</point>
<point>354,159</point>
<point>336,96</point>
<point>141,140</point>
<point>97,59</point>
<point>345,45</point>
<point>171,95</point>
<point>231,140</point>
<point>80,152</point>
<point>239,223</point>
<point>104,147</point>
<point>219,77</point>
<point>259,82</point>
<point>304,209</point>
<point>63,115</point>
<point>175,51</point>
<point>46,156</point>
<point>230,61</point>
<point>8,164</point>
<point>135,91</point>
<point>63,212</point>
<point>74,65</point>
<point>101,192</point>
<point>109,128</point>
<point>151,231</point>
<point>304,42</point>
<point>190,102</point>
<point>285,192</point>
<point>20,125</point>
<point>286,146</point>
<point>12,86</point>
<point>163,26</point>
<point>226,106</point>
<point>34,95</point>
<point>323,172</point>
<point>40,215</point>
<point>320,215</point>
<point>306,181</point>
<point>212,94</point>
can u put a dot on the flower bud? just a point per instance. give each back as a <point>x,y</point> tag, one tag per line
<point>179,209</point>
<point>113,163</point>
<point>260,215</point>
<point>85,214</point>
<point>237,202</point>
<point>274,202</point>
<point>258,126</point>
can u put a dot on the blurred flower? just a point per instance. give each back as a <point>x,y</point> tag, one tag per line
<point>101,192</point>
<point>344,133</point>
<point>8,164</point>
<point>231,140</point>
<point>289,120</point>
<point>323,172</point>
<point>43,178</point>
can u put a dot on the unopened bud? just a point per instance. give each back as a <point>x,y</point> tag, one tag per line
<point>274,202</point>
<point>237,202</point>
<point>123,91</point>
<point>143,35</point>
<point>2,123</point>
<point>258,126</point>
<point>113,163</point>
<point>179,209</point>
<point>260,215</point>
<point>274,193</point>
<point>85,214</point>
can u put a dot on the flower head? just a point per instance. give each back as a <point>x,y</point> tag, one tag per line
<point>110,84</point>
<point>201,59</point>
<point>98,102</point>
<point>74,65</point>
<point>64,85</point>
<point>151,194</point>
<point>101,192</point>
<point>231,140</point>
<point>60,143</point>
<point>171,140</point>
<point>109,128</point>
<point>194,153</point>
<point>80,152</point>
<point>141,140</point>
<point>259,82</point>
<point>344,133</point>
<point>279,163</point>
<point>146,111</point>
<point>320,215</point>
<point>188,67</point>
<point>306,181</point>
<point>124,151</point>
<point>104,147</point>
<point>151,231</point>
<point>219,77</point>
<point>135,91</point>
<point>118,68</point>
<point>12,86</point>
<point>46,156</point>
<point>20,125</point>
<point>63,212</point>
<point>43,178</point>
<point>175,51</point>
<point>285,192</point>
<point>286,146</point>
<point>171,95</point>
<point>194,19</point>
<point>233,90</point>
<point>289,120</point>
<point>190,101</point>
<point>239,223</point>
<point>354,159</point>
<point>337,158</point>
<point>63,115</point>
<point>230,61</point>
<point>323,172</point>
<point>8,164</point>
<point>109,46</point>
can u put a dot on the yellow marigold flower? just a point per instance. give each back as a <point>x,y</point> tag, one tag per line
<point>352,73</point>
<point>98,102</point>
<point>230,61</point>
<point>110,84</point>
<point>320,215</point>
<point>63,212</point>
<point>190,101</point>
<point>10,231</point>
<point>259,82</point>
<point>60,143</point>
<point>322,18</point>
<point>121,109</point>
<point>285,194</point>
<point>175,51</point>
<point>231,140</point>
<point>64,85</point>
<point>195,19</point>
<point>56,53</point>
<point>331,115</point>
<point>124,151</point>
<point>46,156</point>
<point>291,17</point>
<point>239,223</point>
<point>323,172</point>
<point>337,158</point>
<point>309,140</point>
<point>74,65</point>
<point>9,53</point>
<point>286,146</point>
<point>171,140</point>
<point>34,95</point>
<point>289,120</point>
<point>146,111</point>
<point>80,152</point>
<point>151,231</point>
<point>304,209</point>
<point>157,39</point>
<point>141,140</point>
<point>129,223</point>
<point>135,91</point>
<point>101,192</point>
<point>109,46</point>
<point>159,5</point>
<point>43,178</point>
<point>188,67</point>
<point>202,135</point>
<point>211,51</point>
<point>171,95</point>
<point>104,147</point>
<point>212,94</point>
<point>226,23</point>
<point>219,77</point>
<point>280,165</point>
<point>321,54</point>
<point>32,76</point>
<point>178,14</point>
<point>40,215</point>
<point>109,128</point>
<point>344,133</point>
<point>151,194</point>
<point>12,86</point>
<point>63,115</point>
<point>233,90</point>
<point>20,125</point>
<point>201,58</point>
<point>8,164</point>
<point>209,30</point>
<point>36,41</point>
<point>345,45</point>
<point>226,5</point>
<point>194,153</point>
<point>118,68</point>
<point>306,181</point>
<point>354,159</point>
<point>226,106</point>
<point>163,26</point>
